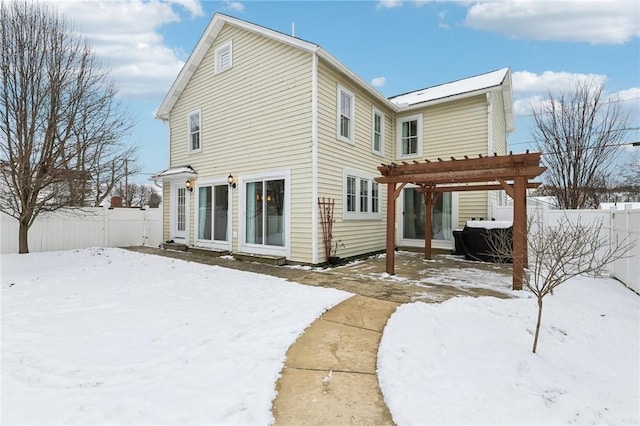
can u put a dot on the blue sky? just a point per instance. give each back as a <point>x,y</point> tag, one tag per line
<point>397,46</point>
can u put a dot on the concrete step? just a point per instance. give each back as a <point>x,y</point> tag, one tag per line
<point>208,251</point>
<point>261,258</point>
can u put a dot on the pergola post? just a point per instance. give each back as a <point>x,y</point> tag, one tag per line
<point>391,228</point>
<point>519,230</point>
<point>430,199</point>
<point>428,212</point>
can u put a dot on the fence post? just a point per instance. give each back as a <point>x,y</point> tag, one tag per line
<point>145,225</point>
<point>105,228</point>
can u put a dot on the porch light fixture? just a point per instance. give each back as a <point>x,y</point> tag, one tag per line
<point>189,185</point>
<point>231,181</point>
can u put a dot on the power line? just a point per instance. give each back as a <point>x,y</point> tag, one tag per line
<point>574,107</point>
<point>533,141</point>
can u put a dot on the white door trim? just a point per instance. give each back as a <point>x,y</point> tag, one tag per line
<point>242,214</point>
<point>179,236</point>
<point>215,244</point>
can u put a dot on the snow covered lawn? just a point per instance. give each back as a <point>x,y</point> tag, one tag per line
<point>469,361</point>
<point>107,336</point>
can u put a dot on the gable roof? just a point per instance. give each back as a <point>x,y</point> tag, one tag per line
<point>466,87</point>
<point>209,36</point>
<point>448,91</point>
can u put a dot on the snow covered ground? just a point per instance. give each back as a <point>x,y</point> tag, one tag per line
<point>469,361</point>
<point>107,336</point>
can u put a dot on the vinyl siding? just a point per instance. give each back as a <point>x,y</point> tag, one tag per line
<point>499,124</point>
<point>499,139</point>
<point>456,129</point>
<point>358,236</point>
<point>255,118</point>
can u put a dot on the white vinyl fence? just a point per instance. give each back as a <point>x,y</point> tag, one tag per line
<point>620,226</point>
<point>87,227</point>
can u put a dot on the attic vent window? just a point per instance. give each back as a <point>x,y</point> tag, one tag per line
<point>223,57</point>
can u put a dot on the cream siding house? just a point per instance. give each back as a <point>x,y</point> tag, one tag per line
<point>261,124</point>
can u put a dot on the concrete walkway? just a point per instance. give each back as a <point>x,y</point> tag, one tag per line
<point>330,371</point>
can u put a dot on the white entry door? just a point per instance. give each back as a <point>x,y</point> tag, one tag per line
<point>179,213</point>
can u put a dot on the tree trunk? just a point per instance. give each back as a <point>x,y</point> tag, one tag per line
<point>535,337</point>
<point>23,232</point>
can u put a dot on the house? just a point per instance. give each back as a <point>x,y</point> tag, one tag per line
<point>263,124</point>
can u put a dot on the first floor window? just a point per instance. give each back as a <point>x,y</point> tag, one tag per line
<point>375,198</point>
<point>361,197</point>
<point>351,194</point>
<point>364,195</point>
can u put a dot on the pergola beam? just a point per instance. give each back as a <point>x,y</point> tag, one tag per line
<point>487,187</point>
<point>462,175</point>
<point>488,163</point>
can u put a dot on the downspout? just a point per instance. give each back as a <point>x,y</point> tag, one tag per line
<point>491,194</point>
<point>314,157</point>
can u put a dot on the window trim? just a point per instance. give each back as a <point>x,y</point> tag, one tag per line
<point>218,54</point>
<point>399,121</point>
<point>189,146</point>
<point>375,111</point>
<point>352,110</point>
<point>359,178</point>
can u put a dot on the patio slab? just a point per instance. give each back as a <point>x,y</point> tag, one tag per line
<point>416,279</point>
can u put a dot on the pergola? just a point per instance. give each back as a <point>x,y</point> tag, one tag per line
<point>511,173</point>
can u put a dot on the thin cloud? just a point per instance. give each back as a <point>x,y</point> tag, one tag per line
<point>595,21</point>
<point>379,81</point>
<point>235,6</point>
<point>388,4</point>
<point>125,36</point>
<point>532,90</point>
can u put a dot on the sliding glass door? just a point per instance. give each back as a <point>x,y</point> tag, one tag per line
<point>213,213</point>
<point>413,218</point>
<point>265,204</point>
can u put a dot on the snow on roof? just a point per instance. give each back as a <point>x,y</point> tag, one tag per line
<point>466,85</point>
<point>174,171</point>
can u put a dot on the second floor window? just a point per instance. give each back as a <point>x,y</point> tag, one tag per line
<point>194,131</point>
<point>377,142</point>
<point>410,136</point>
<point>346,113</point>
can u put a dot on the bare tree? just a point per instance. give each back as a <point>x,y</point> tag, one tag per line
<point>60,123</point>
<point>560,252</point>
<point>629,184</point>
<point>138,195</point>
<point>579,133</point>
<point>567,250</point>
